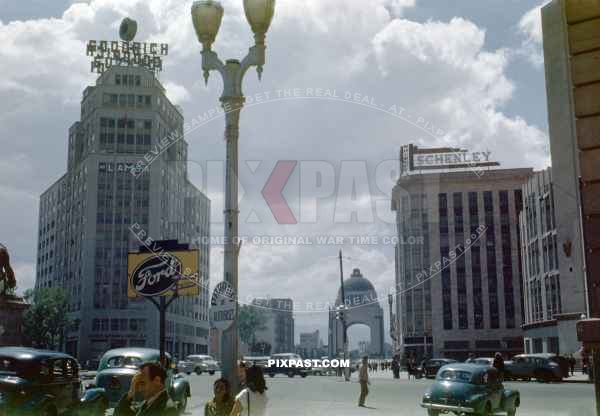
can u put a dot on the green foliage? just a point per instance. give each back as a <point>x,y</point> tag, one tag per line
<point>47,318</point>
<point>250,320</point>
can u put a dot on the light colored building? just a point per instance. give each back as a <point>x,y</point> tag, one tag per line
<point>548,327</point>
<point>458,257</point>
<point>85,217</point>
<point>279,326</point>
<point>310,340</point>
<point>571,89</point>
<point>310,345</point>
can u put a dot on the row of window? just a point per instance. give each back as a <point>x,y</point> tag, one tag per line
<point>127,100</point>
<point>128,80</point>
<point>492,272</point>
<point>105,324</point>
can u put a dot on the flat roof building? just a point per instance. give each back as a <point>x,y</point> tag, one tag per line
<point>458,257</point>
<point>85,217</point>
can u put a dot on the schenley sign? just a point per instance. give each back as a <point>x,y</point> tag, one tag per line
<point>413,158</point>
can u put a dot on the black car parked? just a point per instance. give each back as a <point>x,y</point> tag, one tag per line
<point>542,367</point>
<point>430,367</point>
<point>42,383</point>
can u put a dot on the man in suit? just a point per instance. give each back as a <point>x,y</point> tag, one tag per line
<point>149,383</point>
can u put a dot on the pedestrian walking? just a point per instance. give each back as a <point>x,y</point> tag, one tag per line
<point>252,401</point>
<point>222,403</point>
<point>363,379</point>
<point>396,367</point>
<point>572,362</point>
<point>499,365</point>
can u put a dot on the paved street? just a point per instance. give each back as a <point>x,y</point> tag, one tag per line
<point>332,396</point>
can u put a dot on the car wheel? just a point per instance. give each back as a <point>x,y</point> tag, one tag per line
<point>488,410</point>
<point>188,372</point>
<point>182,404</point>
<point>303,375</point>
<point>101,407</point>
<point>211,373</point>
<point>271,375</point>
<point>541,376</point>
<point>48,410</point>
<point>198,371</point>
<point>291,374</point>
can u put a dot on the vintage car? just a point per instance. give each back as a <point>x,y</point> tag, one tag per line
<point>284,367</point>
<point>430,367</point>
<point>542,367</point>
<point>462,388</point>
<point>117,367</point>
<point>487,361</point>
<point>40,382</point>
<point>198,364</point>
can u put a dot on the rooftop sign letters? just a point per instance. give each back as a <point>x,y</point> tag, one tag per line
<point>413,159</point>
<point>106,53</point>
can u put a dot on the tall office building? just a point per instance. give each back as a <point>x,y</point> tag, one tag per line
<point>85,217</point>
<point>571,42</point>
<point>548,326</point>
<point>279,326</point>
<point>459,268</point>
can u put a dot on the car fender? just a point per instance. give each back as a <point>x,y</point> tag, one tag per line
<point>37,402</point>
<point>93,394</point>
<point>510,399</point>
<point>181,388</point>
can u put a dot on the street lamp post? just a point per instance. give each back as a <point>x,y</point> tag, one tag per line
<point>206,17</point>
<point>343,319</point>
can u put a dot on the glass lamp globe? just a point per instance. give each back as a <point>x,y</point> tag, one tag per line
<point>259,14</point>
<point>207,16</point>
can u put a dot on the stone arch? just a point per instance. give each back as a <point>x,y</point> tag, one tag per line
<point>363,308</point>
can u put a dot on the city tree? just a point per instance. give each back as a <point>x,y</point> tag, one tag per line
<point>250,320</point>
<point>46,320</point>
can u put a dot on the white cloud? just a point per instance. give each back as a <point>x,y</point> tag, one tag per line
<point>530,27</point>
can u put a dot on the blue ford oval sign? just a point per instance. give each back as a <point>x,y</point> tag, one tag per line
<point>156,275</point>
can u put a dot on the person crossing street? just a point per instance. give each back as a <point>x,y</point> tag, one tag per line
<point>363,379</point>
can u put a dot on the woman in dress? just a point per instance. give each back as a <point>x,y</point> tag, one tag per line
<point>252,401</point>
<point>223,403</point>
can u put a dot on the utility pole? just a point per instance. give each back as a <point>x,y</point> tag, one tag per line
<point>343,319</point>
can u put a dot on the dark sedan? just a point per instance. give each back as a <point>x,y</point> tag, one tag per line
<point>430,367</point>
<point>41,382</point>
<point>542,367</point>
<point>469,389</point>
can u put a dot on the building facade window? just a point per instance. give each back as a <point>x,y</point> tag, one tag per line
<point>444,253</point>
<point>488,206</point>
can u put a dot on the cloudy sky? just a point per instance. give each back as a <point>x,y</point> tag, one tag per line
<point>472,68</point>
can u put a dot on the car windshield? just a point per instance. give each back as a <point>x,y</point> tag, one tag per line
<point>454,375</point>
<point>121,361</point>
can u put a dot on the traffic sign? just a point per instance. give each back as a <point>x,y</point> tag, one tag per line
<point>222,306</point>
